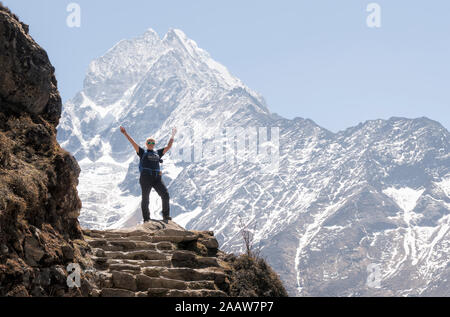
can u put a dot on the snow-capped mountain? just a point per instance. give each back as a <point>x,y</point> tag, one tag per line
<point>361,212</point>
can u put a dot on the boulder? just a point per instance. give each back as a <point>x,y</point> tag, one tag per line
<point>33,251</point>
<point>124,280</point>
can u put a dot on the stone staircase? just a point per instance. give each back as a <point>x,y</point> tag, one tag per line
<point>157,260</point>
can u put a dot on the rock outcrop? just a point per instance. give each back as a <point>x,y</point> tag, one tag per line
<point>39,204</point>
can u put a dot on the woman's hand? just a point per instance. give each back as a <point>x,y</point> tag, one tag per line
<point>174,131</point>
<point>136,147</point>
<point>169,146</point>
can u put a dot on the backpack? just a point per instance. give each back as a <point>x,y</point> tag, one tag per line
<point>141,168</point>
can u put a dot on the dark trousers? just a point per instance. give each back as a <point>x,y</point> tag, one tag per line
<point>148,181</point>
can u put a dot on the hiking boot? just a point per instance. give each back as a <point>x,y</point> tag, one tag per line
<point>166,219</point>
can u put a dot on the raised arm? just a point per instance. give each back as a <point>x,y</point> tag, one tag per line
<point>136,147</point>
<point>169,146</point>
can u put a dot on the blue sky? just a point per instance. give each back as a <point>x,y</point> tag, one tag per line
<point>310,59</point>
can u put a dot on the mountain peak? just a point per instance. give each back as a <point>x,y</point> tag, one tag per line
<point>174,35</point>
<point>179,33</point>
<point>176,38</point>
<point>415,123</point>
<point>150,33</point>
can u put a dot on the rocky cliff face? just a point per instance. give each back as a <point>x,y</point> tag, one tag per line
<point>39,204</point>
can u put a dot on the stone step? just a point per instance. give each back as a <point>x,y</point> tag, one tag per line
<point>196,293</point>
<point>146,238</point>
<point>153,271</point>
<point>112,235</point>
<point>182,258</point>
<point>124,280</point>
<point>142,263</point>
<point>125,245</point>
<point>128,245</point>
<point>97,243</point>
<point>125,267</point>
<point>104,279</point>
<point>115,292</point>
<point>136,233</point>
<point>98,252</point>
<point>161,292</point>
<point>173,239</point>
<point>137,255</point>
<point>100,240</point>
<point>190,274</point>
<point>115,234</point>
<point>165,292</point>
<point>207,262</point>
<point>175,233</point>
<point>217,272</point>
<point>145,282</point>
<point>100,263</point>
<point>157,292</point>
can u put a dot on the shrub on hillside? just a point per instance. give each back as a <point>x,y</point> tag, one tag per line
<point>253,277</point>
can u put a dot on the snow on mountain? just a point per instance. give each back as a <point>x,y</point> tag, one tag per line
<point>406,198</point>
<point>370,203</point>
